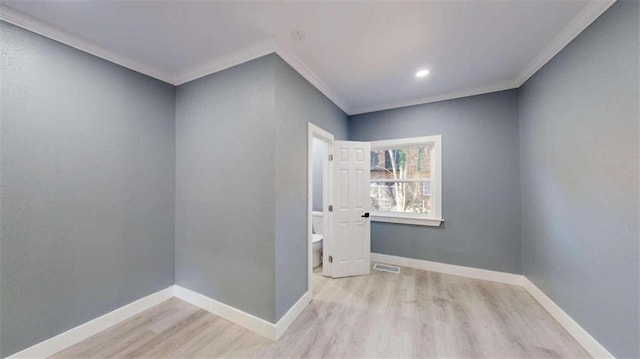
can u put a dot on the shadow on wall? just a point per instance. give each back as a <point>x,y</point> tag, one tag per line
<point>319,151</point>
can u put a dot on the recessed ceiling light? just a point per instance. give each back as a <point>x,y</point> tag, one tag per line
<point>422,73</point>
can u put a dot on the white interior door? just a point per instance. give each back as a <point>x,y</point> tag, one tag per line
<point>351,243</point>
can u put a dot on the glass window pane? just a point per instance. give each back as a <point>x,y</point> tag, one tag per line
<point>426,188</point>
<point>401,163</point>
<point>402,197</point>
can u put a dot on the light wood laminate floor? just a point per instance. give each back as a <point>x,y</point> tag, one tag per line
<point>416,314</point>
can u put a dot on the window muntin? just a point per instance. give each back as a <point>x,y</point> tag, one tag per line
<point>398,178</point>
<point>405,180</point>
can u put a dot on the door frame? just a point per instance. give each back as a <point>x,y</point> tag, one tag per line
<point>327,189</point>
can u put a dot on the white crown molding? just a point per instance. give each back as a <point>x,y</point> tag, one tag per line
<point>226,61</point>
<point>424,100</point>
<point>588,15</point>
<point>220,63</point>
<point>255,51</point>
<point>39,27</point>
<point>591,12</point>
<point>287,55</point>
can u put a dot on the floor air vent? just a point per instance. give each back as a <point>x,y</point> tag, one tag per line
<point>386,268</point>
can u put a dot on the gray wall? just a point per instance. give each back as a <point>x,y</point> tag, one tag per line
<point>319,153</point>
<point>241,184</point>
<point>91,165</point>
<point>297,103</point>
<point>480,175</point>
<point>225,199</point>
<point>87,196</point>
<point>579,140</point>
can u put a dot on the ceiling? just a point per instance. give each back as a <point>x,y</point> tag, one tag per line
<point>362,55</point>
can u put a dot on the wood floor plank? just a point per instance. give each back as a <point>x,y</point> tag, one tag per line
<point>414,314</point>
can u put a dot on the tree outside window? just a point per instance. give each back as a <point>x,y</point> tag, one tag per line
<point>400,180</point>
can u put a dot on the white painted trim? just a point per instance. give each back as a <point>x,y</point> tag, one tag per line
<point>469,272</point>
<point>505,85</point>
<point>244,319</point>
<point>416,220</point>
<point>400,180</point>
<point>255,51</point>
<point>285,322</point>
<point>272,331</point>
<point>226,61</point>
<point>75,335</point>
<point>288,56</point>
<point>435,217</point>
<point>310,208</point>
<point>234,315</point>
<point>320,133</point>
<point>588,15</point>
<point>39,27</point>
<point>317,132</point>
<point>591,12</point>
<point>405,142</point>
<point>327,217</point>
<point>589,343</point>
<point>436,180</point>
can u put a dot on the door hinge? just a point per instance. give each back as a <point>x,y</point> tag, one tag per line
<point>330,208</point>
<point>330,259</point>
<point>330,157</point>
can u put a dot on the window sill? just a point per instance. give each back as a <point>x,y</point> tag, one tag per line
<point>406,219</point>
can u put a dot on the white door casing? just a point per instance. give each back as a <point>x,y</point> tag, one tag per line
<point>317,132</point>
<point>351,226</point>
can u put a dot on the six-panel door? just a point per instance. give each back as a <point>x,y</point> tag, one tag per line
<point>351,245</point>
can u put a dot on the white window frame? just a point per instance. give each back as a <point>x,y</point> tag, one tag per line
<point>435,217</point>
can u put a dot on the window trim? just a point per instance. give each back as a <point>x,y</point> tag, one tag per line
<point>435,217</point>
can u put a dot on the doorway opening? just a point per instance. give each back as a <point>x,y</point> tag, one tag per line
<point>319,190</point>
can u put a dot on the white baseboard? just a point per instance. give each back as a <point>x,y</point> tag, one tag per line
<point>75,335</point>
<point>244,319</point>
<point>589,343</point>
<point>469,272</point>
<point>272,331</point>
<point>291,315</point>
<point>234,315</point>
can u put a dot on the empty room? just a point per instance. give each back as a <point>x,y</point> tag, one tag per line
<point>319,179</point>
